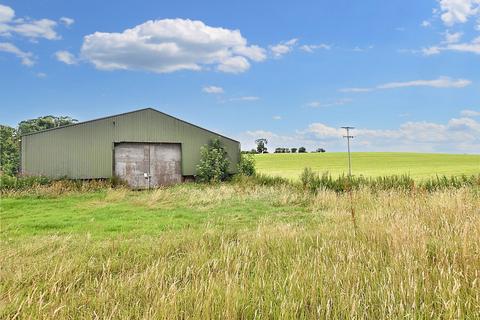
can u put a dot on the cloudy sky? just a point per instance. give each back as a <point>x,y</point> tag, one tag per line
<point>405,73</point>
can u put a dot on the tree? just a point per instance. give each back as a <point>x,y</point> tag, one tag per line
<point>10,139</point>
<point>214,162</point>
<point>261,145</point>
<point>302,150</point>
<point>43,123</point>
<point>294,150</point>
<point>320,150</point>
<point>9,150</point>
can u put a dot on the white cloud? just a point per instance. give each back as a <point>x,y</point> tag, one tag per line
<point>277,117</point>
<point>245,98</point>
<point>431,51</point>
<point>470,113</point>
<point>6,13</point>
<point>356,90</point>
<point>252,52</point>
<point>453,12</point>
<point>26,27</point>
<point>362,49</point>
<point>171,45</point>
<point>426,24</point>
<point>66,57</point>
<point>27,58</point>
<point>312,47</point>
<point>441,82</point>
<point>43,28</point>
<point>236,64</point>
<point>456,135</point>
<point>471,47</point>
<point>41,75</point>
<point>339,102</point>
<point>283,47</point>
<point>67,21</point>
<point>458,11</point>
<point>213,89</point>
<point>452,37</point>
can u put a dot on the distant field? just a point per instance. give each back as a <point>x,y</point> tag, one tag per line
<point>417,165</point>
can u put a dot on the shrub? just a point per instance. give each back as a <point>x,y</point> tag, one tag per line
<point>246,166</point>
<point>22,182</point>
<point>214,162</point>
<point>313,182</point>
<point>261,180</point>
<point>302,150</point>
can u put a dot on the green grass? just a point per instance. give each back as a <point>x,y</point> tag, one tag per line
<point>240,251</point>
<point>417,165</point>
<point>118,211</point>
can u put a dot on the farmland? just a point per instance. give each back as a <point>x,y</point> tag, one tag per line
<point>417,165</point>
<point>239,250</point>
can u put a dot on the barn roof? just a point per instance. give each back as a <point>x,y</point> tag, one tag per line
<point>125,113</point>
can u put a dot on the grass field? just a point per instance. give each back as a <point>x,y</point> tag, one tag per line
<point>240,251</point>
<point>417,165</point>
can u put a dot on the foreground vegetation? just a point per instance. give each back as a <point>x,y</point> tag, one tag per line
<point>250,248</point>
<point>371,164</point>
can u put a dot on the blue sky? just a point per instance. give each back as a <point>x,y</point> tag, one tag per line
<point>405,73</point>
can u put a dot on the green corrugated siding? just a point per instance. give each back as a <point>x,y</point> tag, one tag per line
<point>86,150</point>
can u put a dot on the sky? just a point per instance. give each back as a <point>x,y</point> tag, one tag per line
<point>405,74</point>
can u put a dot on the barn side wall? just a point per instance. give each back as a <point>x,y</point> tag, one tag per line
<point>85,151</point>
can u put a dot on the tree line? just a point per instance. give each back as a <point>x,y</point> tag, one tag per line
<point>10,139</point>
<point>262,148</point>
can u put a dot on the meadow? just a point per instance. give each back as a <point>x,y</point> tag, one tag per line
<point>239,250</point>
<point>416,165</point>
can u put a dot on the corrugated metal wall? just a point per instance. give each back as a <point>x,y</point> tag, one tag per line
<point>86,150</point>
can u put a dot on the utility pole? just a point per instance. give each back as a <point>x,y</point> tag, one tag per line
<point>348,136</point>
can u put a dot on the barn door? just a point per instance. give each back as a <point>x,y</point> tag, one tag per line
<point>147,165</point>
<point>165,164</point>
<point>132,163</point>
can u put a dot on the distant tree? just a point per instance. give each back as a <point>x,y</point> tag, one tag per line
<point>253,151</point>
<point>9,150</point>
<point>261,145</point>
<point>294,150</point>
<point>302,150</point>
<point>282,150</point>
<point>320,150</point>
<point>43,123</point>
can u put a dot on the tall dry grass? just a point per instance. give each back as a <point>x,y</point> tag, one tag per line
<point>414,256</point>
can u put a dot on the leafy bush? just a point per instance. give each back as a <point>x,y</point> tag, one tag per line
<point>246,166</point>
<point>302,150</point>
<point>9,150</point>
<point>214,162</point>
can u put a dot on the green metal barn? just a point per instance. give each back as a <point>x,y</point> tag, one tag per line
<point>145,147</point>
